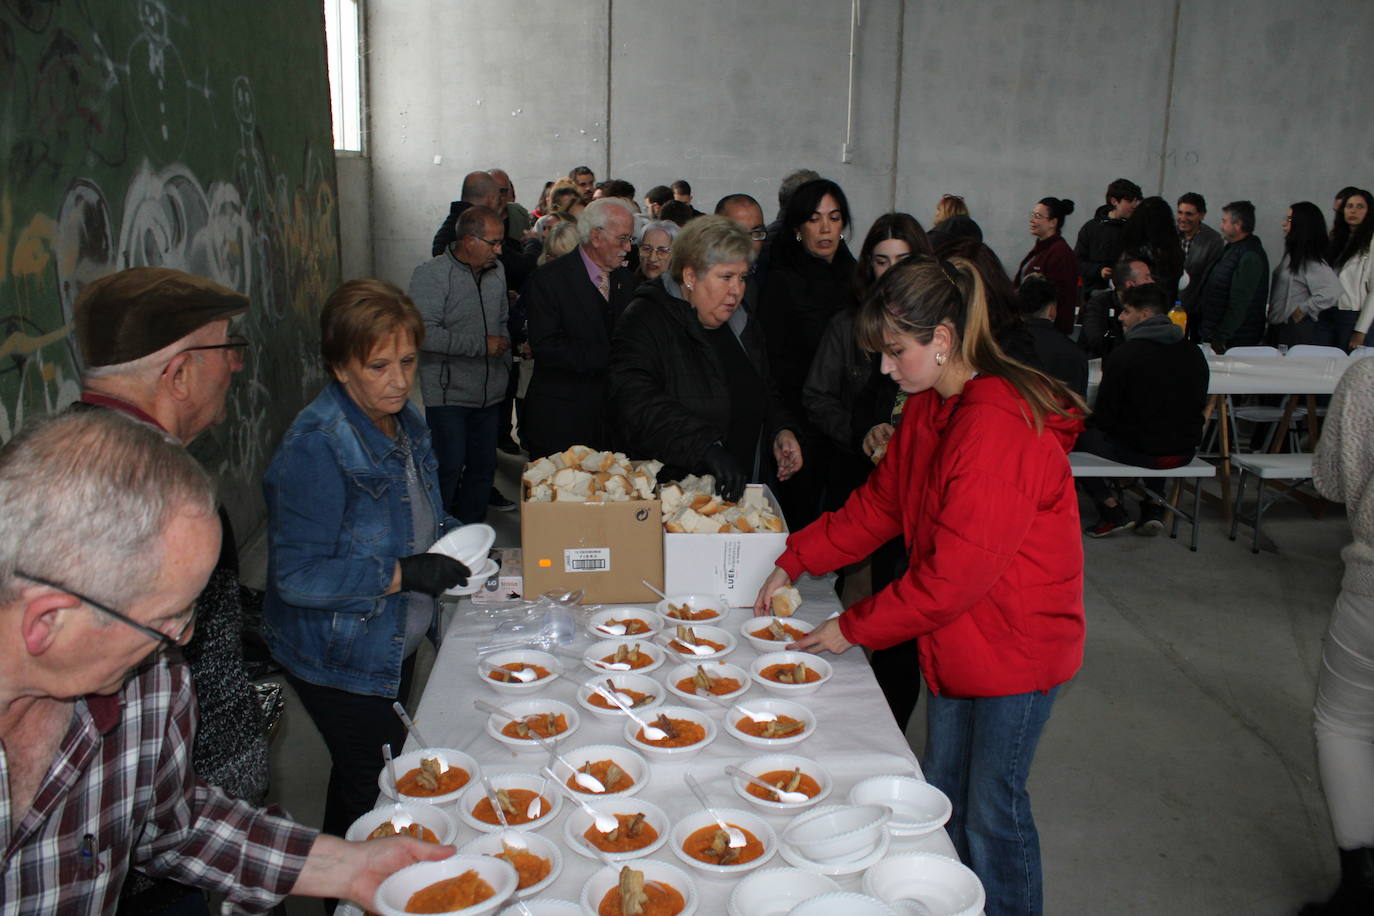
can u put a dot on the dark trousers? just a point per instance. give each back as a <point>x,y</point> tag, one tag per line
<point>465,447</point>
<point>897,668</point>
<point>1334,326</point>
<point>1095,442</point>
<point>354,728</point>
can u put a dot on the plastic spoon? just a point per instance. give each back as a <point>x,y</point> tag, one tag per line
<point>536,806</point>
<point>736,836</point>
<point>391,769</point>
<point>787,798</point>
<point>612,629</point>
<point>523,675</point>
<point>759,717</point>
<point>653,588</point>
<point>651,732</point>
<point>604,822</point>
<point>694,648</point>
<point>516,840</point>
<point>410,726</point>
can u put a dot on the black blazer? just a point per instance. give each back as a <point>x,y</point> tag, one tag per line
<point>570,334</point>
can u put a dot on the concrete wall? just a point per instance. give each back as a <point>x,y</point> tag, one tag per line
<point>1001,101</point>
<point>355,215</point>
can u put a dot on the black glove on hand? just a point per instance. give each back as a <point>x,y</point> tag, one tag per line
<point>432,573</point>
<point>729,476</point>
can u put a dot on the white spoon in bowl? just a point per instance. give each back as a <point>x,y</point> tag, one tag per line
<point>735,835</point>
<point>605,823</point>
<point>787,798</point>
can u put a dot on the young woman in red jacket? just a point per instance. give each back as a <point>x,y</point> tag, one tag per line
<point>977,482</point>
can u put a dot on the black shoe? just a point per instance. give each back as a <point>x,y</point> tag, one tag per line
<point>1151,519</point>
<point>509,446</point>
<point>1114,519</point>
<point>498,502</point>
<point>1356,891</point>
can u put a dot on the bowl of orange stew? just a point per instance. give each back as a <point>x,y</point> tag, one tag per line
<point>470,885</point>
<point>537,860</point>
<point>790,674</point>
<point>791,772</point>
<point>689,732</point>
<point>678,640</point>
<point>698,840</point>
<point>690,609</point>
<point>552,720</point>
<point>544,906</point>
<point>670,890</point>
<point>430,775</point>
<point>624,623</point>
<point>620,770</point>
<point>641,829</point>
<point>722,679</point>
<point>414,819</point>
<point>770,634</point>
<point>515,792</point>
<point>624,656</point>
<point>645,693</point>
<point>501,671</point>
<point>793,722</point>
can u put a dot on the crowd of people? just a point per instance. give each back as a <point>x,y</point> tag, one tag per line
<point>913,405</point>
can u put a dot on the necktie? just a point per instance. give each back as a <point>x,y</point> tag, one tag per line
<point>603,285</point>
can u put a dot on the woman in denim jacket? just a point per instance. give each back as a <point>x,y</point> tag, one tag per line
<point>353,501</point>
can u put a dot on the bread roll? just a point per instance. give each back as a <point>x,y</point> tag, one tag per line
<point>785,601</point>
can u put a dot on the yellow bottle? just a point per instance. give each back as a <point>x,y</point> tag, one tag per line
<point>1178,316</point>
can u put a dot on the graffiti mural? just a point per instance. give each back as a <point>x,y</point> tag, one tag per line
<point>141,132</point>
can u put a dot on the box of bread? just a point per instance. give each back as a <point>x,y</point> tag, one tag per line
<point>716,547</point>
<point>590,520</point>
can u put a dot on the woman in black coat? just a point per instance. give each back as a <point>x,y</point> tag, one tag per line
<point>688,381</point>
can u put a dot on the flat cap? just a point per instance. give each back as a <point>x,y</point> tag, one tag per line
<point>127,315</point>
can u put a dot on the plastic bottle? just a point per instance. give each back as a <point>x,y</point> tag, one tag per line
<point>1178,316</point>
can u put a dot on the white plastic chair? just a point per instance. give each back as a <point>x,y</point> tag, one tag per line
<point>1361,352</point>
<point>1314,350</point>
<point>1264,413</point>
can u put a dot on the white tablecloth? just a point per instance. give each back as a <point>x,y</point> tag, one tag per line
<point>856,737</point>
<point>1249,375</point>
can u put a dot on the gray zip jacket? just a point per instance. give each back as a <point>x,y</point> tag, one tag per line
<point>460,310</point>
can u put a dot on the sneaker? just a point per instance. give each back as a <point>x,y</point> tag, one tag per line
<point>1113,520</point>
<point>1151,520</point>
<point>498,502</point>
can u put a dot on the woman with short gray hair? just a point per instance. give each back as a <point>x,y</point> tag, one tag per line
<point>688,380</point>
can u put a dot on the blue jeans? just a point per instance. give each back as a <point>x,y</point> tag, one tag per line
<point>465,446</point>
<point>1334,326</point>
<point>979,752</point>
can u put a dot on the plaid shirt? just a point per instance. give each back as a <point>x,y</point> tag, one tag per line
<point>121,793</point>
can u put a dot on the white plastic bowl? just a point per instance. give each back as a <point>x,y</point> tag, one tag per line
<point>846,902</point>
<point>578,821</point>
<point>769,763</point>
<point>754,624</point>
<point>671,753</point>
<point>634,765</point>
<point>489,844</point>
<point>714,669</point>
<point>917,807</point>
<point>532,707</point>
<point>814,662</point>
<point>545,906</point>
<point>606,878</point>
<point>545,660</point>
<point>697,603</point>
<point>479,576</point>
<point>431,817</point>
<point>467,544</point>
<point>704,632</point>
<point>778,708</point>
<point>410,760</point>
<point>774,891</point>
<point>475,792</point>
<point>639,683</point>
<point>838,833</point>
<point>603,617</point>
<point>734,817</point>
<point>397,889</point>
<point>597,651</point>
<point>945,886</point>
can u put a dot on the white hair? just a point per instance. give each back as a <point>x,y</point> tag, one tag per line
<point>85,497</point>
<point>666,226</point>
<point>598,214</point>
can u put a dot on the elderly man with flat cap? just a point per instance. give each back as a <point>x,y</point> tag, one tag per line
<point>156,346</point>
<point>107,538</point>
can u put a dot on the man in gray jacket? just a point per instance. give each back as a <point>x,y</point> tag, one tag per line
<point>1201,245</point>
<point>465,360</point>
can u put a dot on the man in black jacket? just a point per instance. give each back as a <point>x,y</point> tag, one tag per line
<point>479,190</point>
<point>1054,353</point>
<point>1235,291</point>
<point>1099,241</point>
<point>1149,406</point>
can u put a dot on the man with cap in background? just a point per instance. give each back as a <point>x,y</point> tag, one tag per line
<point>156,346</point>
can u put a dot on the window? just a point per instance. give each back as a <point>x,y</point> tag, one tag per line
<point>342,39</point>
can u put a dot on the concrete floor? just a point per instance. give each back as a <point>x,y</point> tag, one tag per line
<point>1177,775</point>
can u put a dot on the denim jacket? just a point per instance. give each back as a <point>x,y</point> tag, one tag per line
<point>338,518</point>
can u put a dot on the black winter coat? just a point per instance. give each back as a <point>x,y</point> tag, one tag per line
<point>845,395</point>
<point>1098,246</point>
<point>1224,318</point>
<point>667,390</point>
<point>1153,393</point>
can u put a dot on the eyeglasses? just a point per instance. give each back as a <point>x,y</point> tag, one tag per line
<point>647,250</point>
<point>619,239</point>
<point>170,641</point>
<point>758,235</point>
<point>235,342</point>
<point>1035,215</point>
<point>494,243</point>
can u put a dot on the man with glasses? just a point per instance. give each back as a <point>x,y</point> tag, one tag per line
<point>107,536</point>
<point>465,360</point>
<point>572,303</point>
<point>156,346</point>
<point>745,212</point>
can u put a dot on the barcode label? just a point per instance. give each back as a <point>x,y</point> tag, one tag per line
<point>587,559</point>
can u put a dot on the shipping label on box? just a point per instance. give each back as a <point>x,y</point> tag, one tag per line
<point>732,566</point>
<point>603,548</point>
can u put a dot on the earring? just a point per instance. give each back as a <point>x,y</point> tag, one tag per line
<point>799,236</point>
<point>687,286</point>
<point>939,359</point>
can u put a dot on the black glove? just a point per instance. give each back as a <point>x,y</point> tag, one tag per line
<point>432,573</point>
<point>729,476</point>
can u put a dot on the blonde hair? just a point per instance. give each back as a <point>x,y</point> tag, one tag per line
<point>562,238</point>
<point>950,205</point>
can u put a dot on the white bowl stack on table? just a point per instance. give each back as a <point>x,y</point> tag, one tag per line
<point>849,737</point>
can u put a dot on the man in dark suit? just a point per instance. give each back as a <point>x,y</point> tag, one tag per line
<point>573,303</point>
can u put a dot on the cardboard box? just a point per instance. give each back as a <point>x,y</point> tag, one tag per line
<point>730,565</point>
<point>603,548</point>
<point>507,584</point>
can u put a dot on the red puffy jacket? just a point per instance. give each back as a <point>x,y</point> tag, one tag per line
<point>987,506</point>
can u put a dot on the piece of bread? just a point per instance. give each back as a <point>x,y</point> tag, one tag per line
<point>701,501</point>
<point>643,484</point>
<point>753,497</point>
<point>741,523</point>
<point>574,455</point>
<point>650,466</point>
<point>785,601</point>
<point>772,523</point>
<point>673,527</point>
<point>539,471</point>
<point>541,493</point>
<point>567,495</point>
